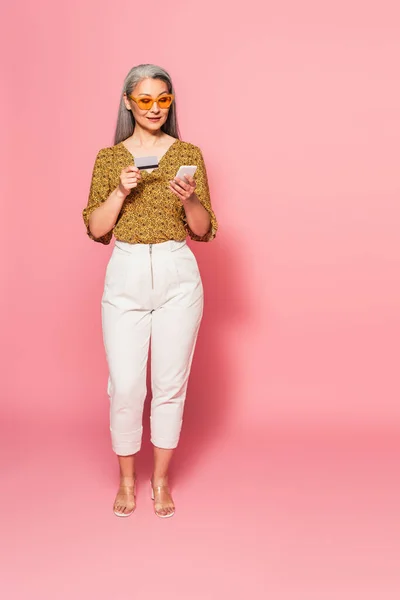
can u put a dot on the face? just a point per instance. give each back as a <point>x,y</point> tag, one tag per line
<point>152,118</point>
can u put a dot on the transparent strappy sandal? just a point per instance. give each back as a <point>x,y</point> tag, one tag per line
<point>156,490</point>
<point>128,513</point>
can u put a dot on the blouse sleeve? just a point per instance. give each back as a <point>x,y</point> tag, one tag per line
<point>99,192</point>
<point>203,193</point>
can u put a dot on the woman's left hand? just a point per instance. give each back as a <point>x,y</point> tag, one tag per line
<point>183,188</point>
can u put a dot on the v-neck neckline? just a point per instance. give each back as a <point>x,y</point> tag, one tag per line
<point>159,160</point>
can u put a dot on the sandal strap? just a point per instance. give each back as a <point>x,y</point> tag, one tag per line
<point>161,487</point>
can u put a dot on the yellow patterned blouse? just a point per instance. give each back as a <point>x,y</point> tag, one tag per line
<point>151,213</point>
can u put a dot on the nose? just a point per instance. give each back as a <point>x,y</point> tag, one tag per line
<point>155,108</point>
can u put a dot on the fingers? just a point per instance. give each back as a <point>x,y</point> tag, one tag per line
<point>130,172</point>
<point>130,176</point>
<point>187,186</point>
<point>185,183</point>
<point>182,190</point>
<point>181,183</point>
<point>131,168</point>
<point>180,196</point>
<point>130,180</point>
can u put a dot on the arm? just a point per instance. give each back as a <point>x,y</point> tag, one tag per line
<point>104,205</point>
<point>103,218</point>
<point>98,194</point>
<point>197,217</point>
<point>196,221</point>
<point>200,220</point>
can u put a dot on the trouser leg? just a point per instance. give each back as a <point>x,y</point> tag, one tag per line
<point>126,333</point>
<point>174,333</point>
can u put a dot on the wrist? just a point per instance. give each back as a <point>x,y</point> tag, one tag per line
<point>191,201</point>
<point>121,195</point>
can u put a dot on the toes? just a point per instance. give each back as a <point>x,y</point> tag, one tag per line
<point>165,511</point>
<point>124,502</point>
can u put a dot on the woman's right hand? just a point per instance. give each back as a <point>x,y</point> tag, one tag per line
<point>129,178</point>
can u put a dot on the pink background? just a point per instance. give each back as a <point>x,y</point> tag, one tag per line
<point>285,466</point>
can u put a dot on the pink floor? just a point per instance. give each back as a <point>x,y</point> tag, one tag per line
<point>284,514</point>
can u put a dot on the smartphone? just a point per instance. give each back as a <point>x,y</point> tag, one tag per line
<point>186,170</point>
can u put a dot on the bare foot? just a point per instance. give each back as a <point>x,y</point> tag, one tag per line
<point>125,501</point>
<point>163,503</point>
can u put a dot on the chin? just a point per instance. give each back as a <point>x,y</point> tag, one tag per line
<point>152,126</point>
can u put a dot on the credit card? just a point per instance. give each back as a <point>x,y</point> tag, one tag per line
<point>146,162</point>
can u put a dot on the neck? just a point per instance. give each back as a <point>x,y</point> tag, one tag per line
<point>144,137</point>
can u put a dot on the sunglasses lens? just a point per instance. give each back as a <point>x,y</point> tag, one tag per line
<point>145,103</point>
<point>165,101</point>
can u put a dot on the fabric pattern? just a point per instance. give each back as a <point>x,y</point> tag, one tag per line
<point>151,213</point>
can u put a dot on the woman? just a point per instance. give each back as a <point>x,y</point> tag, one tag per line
<point>153,289</point>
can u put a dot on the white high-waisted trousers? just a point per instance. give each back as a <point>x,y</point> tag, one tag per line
<point>151,292</point>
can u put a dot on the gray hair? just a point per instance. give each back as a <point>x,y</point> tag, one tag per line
<point>126,120</point>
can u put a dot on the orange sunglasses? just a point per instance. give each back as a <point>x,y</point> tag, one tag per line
<point>146,102</point>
